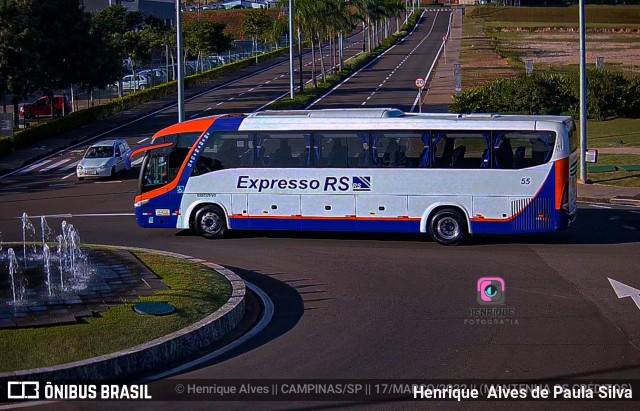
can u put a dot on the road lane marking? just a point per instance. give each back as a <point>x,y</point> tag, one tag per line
<point>219,103</point>
<point>599,206</point>
<point>36,165</point>
<point>52,166</point>
<point>69,215</point>
<point>143,140</point>
<point>628,227</point>
<point>65,177</point>
<point>70,166</point>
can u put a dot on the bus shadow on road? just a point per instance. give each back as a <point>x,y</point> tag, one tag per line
<point>592,226</point>
<point>288,309</point>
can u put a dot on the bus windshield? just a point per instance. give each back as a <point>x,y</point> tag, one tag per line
<point>161,166</point>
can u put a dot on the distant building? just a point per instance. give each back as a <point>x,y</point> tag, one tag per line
<point>162,9</point>
<point>247,4</point>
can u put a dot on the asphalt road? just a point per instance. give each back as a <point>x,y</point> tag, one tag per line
<point>381,306</point>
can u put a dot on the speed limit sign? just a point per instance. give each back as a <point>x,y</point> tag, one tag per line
<point>419,82</point>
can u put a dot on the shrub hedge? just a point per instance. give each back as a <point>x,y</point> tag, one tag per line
<point>609,94</point>
<point>77,119</point>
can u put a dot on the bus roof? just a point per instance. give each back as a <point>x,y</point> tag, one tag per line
<point>358,119</point>
<point>390,118</point>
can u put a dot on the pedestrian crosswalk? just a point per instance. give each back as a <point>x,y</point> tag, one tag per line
<point>66,164</point>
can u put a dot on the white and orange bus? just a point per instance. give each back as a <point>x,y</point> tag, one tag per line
<point>377,170</point>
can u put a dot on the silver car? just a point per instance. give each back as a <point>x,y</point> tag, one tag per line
<point>104,159</point>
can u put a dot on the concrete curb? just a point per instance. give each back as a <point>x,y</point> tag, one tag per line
<point>153,354</point>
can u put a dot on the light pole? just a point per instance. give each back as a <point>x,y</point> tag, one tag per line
<point>291,80</point>
<point>583,98</point>
<point>180,63</point>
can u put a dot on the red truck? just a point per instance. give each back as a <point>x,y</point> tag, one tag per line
<point>42,107</point>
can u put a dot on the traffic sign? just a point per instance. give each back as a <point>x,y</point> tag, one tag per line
<point>419,82</point>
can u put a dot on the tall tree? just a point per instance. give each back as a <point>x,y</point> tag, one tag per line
<point>203,37</point>
<point>256,25</point>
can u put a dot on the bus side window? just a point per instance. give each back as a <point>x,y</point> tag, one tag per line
<point>286,150</point>
<point>459,149</point>
<point>529,149</point>
<point>398,149</point>
<point>224,150</point>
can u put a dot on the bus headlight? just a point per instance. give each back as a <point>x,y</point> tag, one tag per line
<point>140,203</point>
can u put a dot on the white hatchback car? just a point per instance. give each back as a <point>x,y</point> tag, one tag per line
<point>104,159</point>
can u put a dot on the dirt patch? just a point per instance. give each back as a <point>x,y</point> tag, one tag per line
<point>563,49</point>
<point>479,61</point>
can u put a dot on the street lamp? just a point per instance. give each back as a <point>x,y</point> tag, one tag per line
<point>583,98</point>
<point>180,63</point>
<point>291,85</point>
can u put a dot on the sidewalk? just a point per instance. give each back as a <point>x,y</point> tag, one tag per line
<point>440,94</point>
<point>24,156</point>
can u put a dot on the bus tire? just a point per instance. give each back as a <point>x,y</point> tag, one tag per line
<point>448,227</point>
<point>210,222</point>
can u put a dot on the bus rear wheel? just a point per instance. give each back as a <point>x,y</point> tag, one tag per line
<point>448,227</point>
<point>210,222</point>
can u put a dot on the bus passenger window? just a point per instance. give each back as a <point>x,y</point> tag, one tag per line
<point>529,148</point>
<point>334,148</point>
<point>398,149</point>
<point>224,150</point>
<point>460,149</point>
<point>286,149</point>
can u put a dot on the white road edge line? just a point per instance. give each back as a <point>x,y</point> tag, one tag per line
<point>416,101</point>
<point>67,215</point>
<point>267,315</point>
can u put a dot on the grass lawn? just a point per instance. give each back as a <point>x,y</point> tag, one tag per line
<point>195,290</point>
<point>595,14</point>
<point>610,133</point>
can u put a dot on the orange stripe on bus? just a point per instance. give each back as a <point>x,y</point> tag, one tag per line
<point>562,179</point>
<point>147,148</point>
<point>172,185</point>
<point>191,126</point>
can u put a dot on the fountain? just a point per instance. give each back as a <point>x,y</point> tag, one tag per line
<point>26,226</point>
<point>46,257</point>
<point>37,267</point>
<point>49,279</point>
<point>13,268</point>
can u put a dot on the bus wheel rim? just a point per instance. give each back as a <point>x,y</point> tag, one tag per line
<point>448,228</point>
<point>210,223</point>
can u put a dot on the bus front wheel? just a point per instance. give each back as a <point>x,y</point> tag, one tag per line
<point>448,227</point>
<point>210,222</point>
